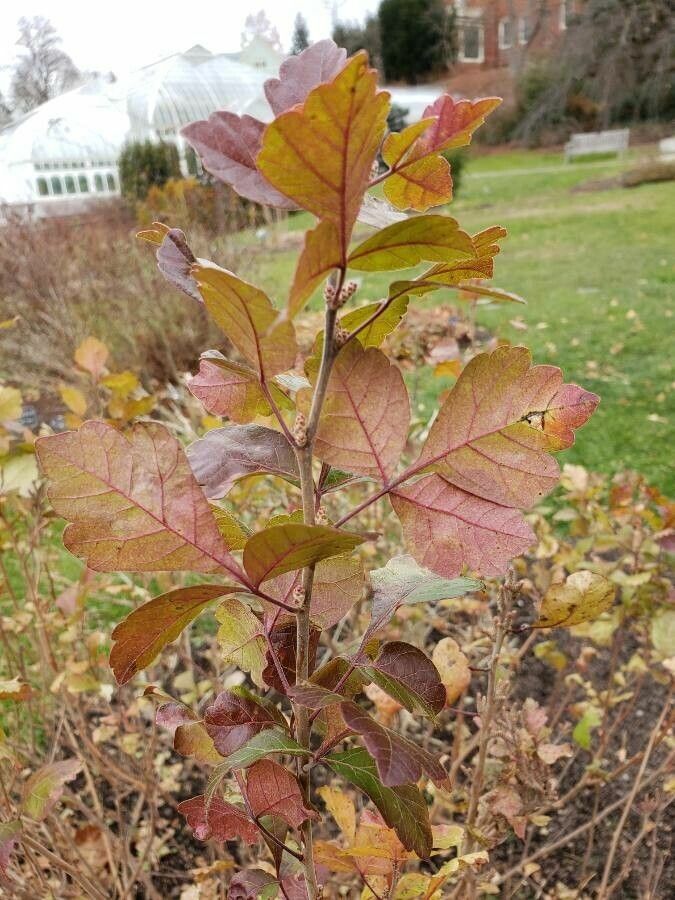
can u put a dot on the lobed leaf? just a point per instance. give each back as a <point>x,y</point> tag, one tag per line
<point>284,548</point>
<point>133,503</point>
<point>320,154</point>
<point>409,676</point>
<point>454,121</point>
<point>45,786</point>
<point>231,720</point>
<point>403,582</point>
<point>219,820</point>
<point>139,638</point>
<point>241,639</point>
<point>321,253</point>
<point>357,431</point>
<point>403,808</point>
<point>246,316</point>
<point>398,760</point>
<point>431,238</point>
<point>341,808</point>
<point>265,743</point>
<point>273,791</point>
<point>224,455</point>
<point>582,597</point>
<point>234,533</point>
<point>192,739</point>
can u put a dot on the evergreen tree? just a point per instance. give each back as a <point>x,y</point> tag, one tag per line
<point>417,38</point>
<point>354,37</point>
<point>300,40</point>
<point>143,164</point>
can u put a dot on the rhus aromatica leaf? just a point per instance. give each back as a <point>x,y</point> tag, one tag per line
<point>231,720</point>
<point>174,257</point>
<point>321,153</point>
<point>265,743</point>
<point>228,145</point>
<point>419,176</point>
<point>273,791</point>
<point>10,835</point>
<point>358,432</point>
<point>241,638</point>
<point>431,238</point>
<point>300,74</point>
<point>582,597</point>
<point>284,548</point>
<point>133,502</point>
<point>321,253</point>
<point>403,808</point>
<point>338,584</point>
<point>493,433</point>
<point>447,529</point>
<point>409,676</point>
<point>229,389</point>
<point>453,667</point>
<point>44,787</point>
<point>139,638</point>
<point>284,639</point>
<point>225,454</point>
<point>219,820</point>
<point>398,760</point>
<point>246,316</point>
<point>402,581</point>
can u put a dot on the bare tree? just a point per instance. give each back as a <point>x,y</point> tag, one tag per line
<point>43,70</point>
<point>259,25</point>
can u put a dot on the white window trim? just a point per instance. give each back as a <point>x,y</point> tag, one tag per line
<point>503,25</point>
<point>522,39</point>
<point>481,46</point>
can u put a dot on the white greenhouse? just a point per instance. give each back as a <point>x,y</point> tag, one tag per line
<point>64,153</point>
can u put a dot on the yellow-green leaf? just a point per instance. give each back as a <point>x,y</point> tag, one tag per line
<point>240,637</point>
<point>246,316</point>
<point>45,786</point>
<point>582,597</point>
<point>404,244</point>
<point>321,253</point>
<point>283,548</point>
<point>73,398</point>
<point>10,403</point>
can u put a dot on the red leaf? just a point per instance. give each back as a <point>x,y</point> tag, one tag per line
<point>454,122</point>
<point>133,503</point>
<point>228,389</point>
<point>231,720</point>
<point>222,821</point>
<point>409,676</point>
<point>274,791</point>
<point>358,432</point>
<point>300,74</point>
<point>284,640</point>
<point>249,884</point>
<point>446,528</point>
<point>398,760</point>
<point>174,257</point>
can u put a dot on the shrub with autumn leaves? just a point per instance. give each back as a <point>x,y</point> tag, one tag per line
<point>335,427</point>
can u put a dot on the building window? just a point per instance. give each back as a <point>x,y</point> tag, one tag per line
<point>57,187</point>
<point>98,183</point>
<point>506,33</point>
<point>83,184</point>
<point>471,43</point>
<point>70,184</point>
<point>110,180</point>
<point>43,187</point>
<point>524,30</point>
<point>565,12</point>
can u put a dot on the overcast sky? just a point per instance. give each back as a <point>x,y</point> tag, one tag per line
<point>126,34</point>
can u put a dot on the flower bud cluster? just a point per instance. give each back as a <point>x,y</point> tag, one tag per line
<point>300,430</point>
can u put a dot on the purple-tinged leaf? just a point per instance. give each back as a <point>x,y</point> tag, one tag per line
<point>284,640</point>
<point>409,676</point>
<point>231,720</point>
<point>273,791</point>
<point>249,884</point>
<point>398,760</point>
<point>338,585</point>
<point>227,145</point>
<point>174,257</point>
<point>313,696</point>
<point>221,822</point>
<point>300,74</point>
<point>228,389</point>
<point>10,835</point>
<point>224,455</point>
<point>45,786</point>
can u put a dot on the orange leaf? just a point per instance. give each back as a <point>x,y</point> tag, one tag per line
<point>321,153</point>
<point>91,355</point>
<point>320,254</point>
<point>274,791</point>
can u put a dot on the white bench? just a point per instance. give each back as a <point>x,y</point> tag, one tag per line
<point>667,149</point>
<point>596,142</point>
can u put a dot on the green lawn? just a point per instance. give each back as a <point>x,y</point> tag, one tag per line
<point>598,272</point>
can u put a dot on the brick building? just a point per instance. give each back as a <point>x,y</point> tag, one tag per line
<point>496,33</point>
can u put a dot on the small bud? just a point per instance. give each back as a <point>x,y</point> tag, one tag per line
<point>298,595</point>
<point>341,336</point>
<point>375,169</point>
<point>300,430</point>
<point>329,294</point>
<point>321,516</point>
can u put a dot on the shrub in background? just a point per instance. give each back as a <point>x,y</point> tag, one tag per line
<point>144,164</point>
